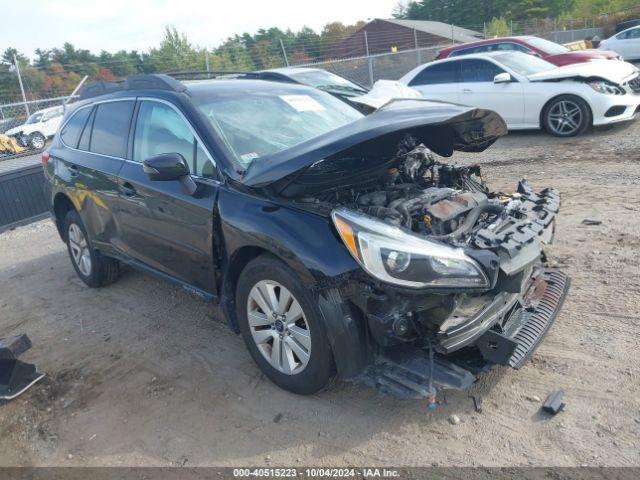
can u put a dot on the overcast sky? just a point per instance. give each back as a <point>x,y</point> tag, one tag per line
<point>138,24</point>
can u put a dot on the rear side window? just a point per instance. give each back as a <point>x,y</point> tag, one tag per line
<point>467,51</point>
<point>70,133</point>
<point>440,73</point>
<point>160,129</point>
<point>111,128</point>
<point>85,138</point>
<point>478,71</point>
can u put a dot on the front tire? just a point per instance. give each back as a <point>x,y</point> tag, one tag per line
<point>37,141</point>
<point>94,269</point>
<point>566,116</point>
<point>282,328</point>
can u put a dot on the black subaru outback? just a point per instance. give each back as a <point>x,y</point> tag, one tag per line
<point>336,243</point>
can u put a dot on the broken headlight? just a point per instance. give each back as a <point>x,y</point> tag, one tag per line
<point>395,256</point>
<point>606,88</point>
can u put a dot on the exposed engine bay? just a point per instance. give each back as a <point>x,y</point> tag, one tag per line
<point>446,202</point>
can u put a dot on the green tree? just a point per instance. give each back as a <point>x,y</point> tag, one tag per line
<point>498,27</point>
<point>175,53</point>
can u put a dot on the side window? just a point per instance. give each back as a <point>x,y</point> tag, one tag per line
<point>509,47</point>
<point>85,138</point>
<point>52,114</point>
<point>111,128</point>
<point>72,130</point>
<point>440,73</point>
<point>634,33</point>
<point>160,129</point>
<point>474,70</point>
<point>470,50</point>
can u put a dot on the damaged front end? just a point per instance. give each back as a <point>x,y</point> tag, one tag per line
<point>461,281</point>
<point>453,276</point>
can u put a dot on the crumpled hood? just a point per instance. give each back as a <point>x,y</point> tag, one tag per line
<point>442,127</point>
<point>616,72</point>
<point>18,129</point>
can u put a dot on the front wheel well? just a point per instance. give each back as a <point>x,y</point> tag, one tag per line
<point>544,107</point>
<point>236,264</point>
<point>61,206</point>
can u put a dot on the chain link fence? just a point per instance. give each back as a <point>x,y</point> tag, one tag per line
<point>367,70</point>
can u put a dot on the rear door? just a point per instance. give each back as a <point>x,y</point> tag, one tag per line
<point>438,81</point>
<point>95,144</point>
<point>631,45</point>
<point>164,227</point>
<point>477,89</point>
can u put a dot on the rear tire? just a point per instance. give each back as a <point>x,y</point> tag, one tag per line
<point>94,269</point>
<point>566,116</point>
<point>285,316</point>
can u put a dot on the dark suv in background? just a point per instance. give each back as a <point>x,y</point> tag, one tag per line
<point>335,242</point>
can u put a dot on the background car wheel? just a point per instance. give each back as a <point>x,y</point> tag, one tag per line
<point>566,116</point>
<point>281,327</point>
<point>94,269</point>
<point>37,141</point>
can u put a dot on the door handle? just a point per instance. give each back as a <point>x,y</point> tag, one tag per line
<point>74,172</point>
<point>467,90</point>
<point>128,190</point>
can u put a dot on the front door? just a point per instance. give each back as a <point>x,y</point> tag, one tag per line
<point>477,89</point>
<point>163,226</point>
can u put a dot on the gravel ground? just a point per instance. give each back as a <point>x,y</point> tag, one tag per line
<point>141,373</point>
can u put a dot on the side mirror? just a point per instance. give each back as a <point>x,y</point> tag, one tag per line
<point>166,166</point>
<point>503,77</point>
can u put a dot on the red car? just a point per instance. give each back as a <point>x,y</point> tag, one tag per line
<point>552,52</point>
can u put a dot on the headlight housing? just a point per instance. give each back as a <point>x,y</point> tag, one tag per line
<point>395,256</point>
<point>606,88</point>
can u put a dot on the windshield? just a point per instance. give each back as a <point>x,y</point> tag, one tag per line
<point>547,46</point>
<point>259,122</point>
<point>524,64</point>
<point>324,79</point>
<point>34,118</point>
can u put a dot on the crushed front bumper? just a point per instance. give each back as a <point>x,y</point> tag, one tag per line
<point>506,332</point>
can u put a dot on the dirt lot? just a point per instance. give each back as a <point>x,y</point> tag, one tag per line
<point>141,373</point>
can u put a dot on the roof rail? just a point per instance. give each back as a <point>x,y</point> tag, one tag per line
<point>208,74</point>
<point>153,81</point>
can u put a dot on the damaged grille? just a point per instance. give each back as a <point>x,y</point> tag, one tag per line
<point>634,84</point>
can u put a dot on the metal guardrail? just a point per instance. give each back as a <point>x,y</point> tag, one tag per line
<point>22,197</point>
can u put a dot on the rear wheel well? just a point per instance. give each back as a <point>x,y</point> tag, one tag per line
<point>61,206</point>
<point>239,260</point>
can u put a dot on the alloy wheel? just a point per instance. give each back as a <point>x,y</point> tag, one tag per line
<point>37,142</point>
<point>565,117</point>
<point>279,327</point>
<point>79,249</point>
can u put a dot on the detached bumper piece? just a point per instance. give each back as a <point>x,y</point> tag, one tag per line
<point>542,304</point>
<point>513,340</point>
<point>15,376</point>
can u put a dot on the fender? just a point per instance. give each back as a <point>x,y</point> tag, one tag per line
<point>252,226</point>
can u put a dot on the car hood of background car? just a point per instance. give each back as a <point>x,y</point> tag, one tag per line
<point>442,127</point>
<point>617,72</point>
<point>25,129</point>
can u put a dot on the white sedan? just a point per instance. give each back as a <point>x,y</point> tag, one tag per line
<point>39,126</point>
<point>625,43</point>
<point>529,92</point>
